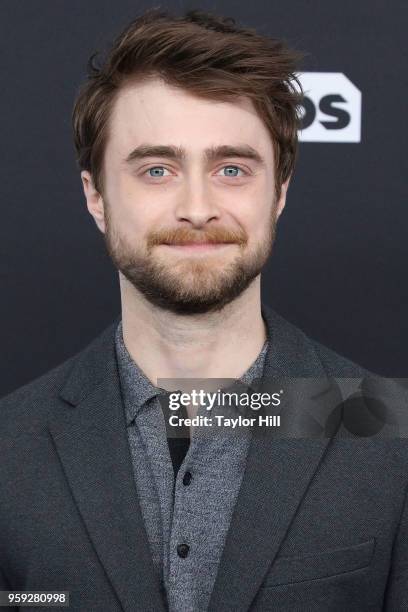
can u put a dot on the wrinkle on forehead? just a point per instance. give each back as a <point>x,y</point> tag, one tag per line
<point>140,100</point>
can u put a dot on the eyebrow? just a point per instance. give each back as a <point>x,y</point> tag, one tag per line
<point>179,154</point>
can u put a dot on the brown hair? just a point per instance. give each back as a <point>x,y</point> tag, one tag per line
<point>204,54</point>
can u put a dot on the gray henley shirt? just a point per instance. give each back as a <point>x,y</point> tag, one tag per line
<point>186,517</point>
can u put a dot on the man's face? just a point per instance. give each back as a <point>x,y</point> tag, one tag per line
<point>189,225</point>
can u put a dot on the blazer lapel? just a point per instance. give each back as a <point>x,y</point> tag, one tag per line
<point>277,475</point>
<point>90,437</point>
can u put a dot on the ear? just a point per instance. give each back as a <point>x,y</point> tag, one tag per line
<point>280,205</point>
<point>94,200</point>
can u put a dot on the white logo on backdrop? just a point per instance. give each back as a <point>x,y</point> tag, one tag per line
<point>332,108</point>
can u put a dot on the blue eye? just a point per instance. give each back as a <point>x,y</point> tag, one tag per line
<point>231,171</point>
<point>157,170</point>
<point>234,170</point>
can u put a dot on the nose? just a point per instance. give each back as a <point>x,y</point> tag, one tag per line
<point>195,204</point>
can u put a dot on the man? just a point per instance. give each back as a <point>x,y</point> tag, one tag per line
<point>186,139</point>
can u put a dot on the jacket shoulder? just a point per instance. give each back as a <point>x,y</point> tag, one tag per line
<point>339,365</point>
<point>334,364</point>
<point>33,400</point>
<point>35,396</point>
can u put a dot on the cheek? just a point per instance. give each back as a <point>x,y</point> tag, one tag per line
<point>257,202</point>
<point>148,207</point>
<point>256,219</point>
<point>125,204</point>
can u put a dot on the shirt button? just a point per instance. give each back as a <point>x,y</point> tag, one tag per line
<point>187,478</point>
<point>183,550</point>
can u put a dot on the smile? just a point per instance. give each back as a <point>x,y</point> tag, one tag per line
<point>196,246</point>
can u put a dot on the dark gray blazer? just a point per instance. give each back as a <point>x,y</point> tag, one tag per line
<point>320,524</point>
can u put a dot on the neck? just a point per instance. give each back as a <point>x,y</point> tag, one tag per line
<point>221,344</point>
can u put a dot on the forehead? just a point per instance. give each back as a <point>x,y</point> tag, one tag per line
<point>153,111</point>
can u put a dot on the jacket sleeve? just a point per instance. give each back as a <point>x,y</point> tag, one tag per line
<point>396,594</point>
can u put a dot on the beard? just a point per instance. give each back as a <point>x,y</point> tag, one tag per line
<point>190,284</point>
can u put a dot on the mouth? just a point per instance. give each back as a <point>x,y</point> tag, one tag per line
<point>198,246</point>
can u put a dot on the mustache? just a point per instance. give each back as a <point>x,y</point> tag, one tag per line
<point>184,235</point>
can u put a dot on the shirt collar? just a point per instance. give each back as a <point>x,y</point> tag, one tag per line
<point>137,388</point>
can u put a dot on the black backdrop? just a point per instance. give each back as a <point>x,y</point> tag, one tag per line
<point>339,264</point>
